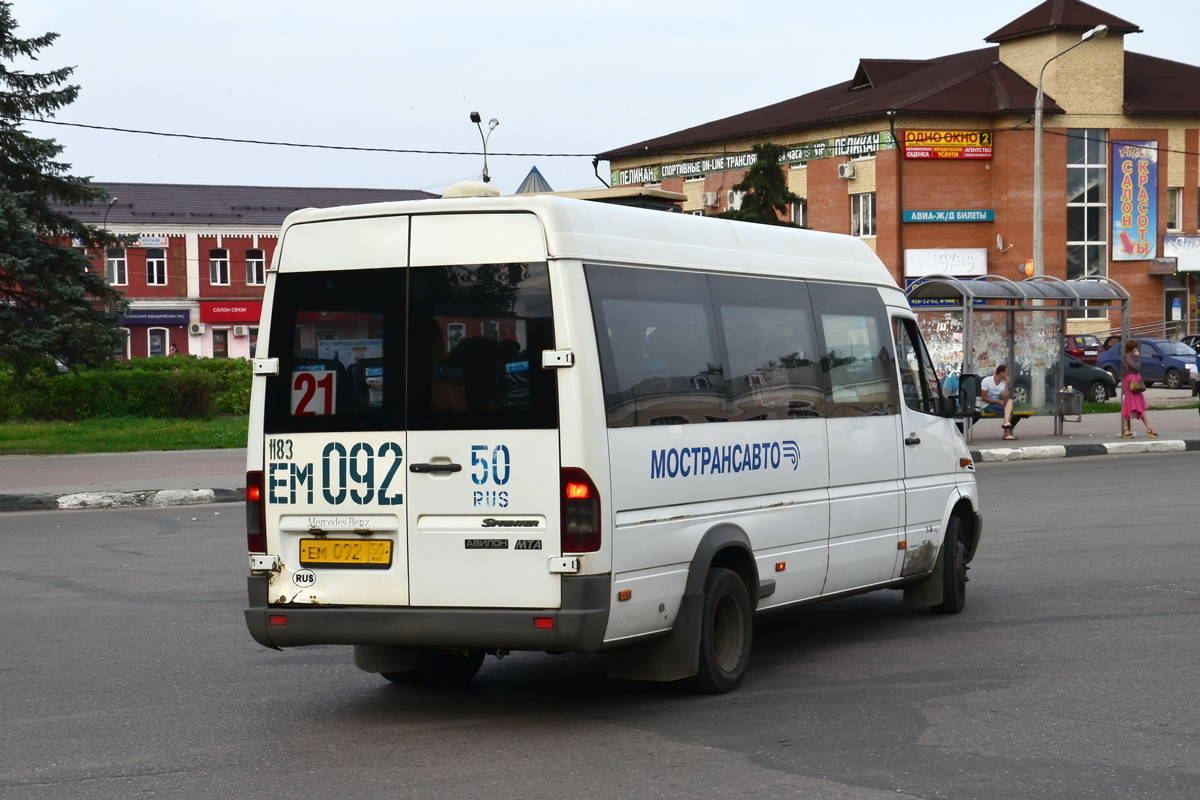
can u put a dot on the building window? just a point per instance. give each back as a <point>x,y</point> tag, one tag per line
<point>1087,207</point>
<point>156,342</point>
<point>1175,209</point>
<point>114,267</point>
<point>693,178</point>
<point>122,348</point>
<point>800,213</point>
<point>156,267</point>
<point>699,212</point>
<point>862,214</point>
<point>218,267</point>
<point>256,268</point>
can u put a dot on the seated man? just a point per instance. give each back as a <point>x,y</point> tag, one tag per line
<point>997,398</point>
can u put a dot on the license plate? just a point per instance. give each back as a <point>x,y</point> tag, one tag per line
<point>1091,352</point>
<point>356,553</point>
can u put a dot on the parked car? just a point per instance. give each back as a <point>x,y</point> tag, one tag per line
<point>1164,361</point>
<point>1192,340</point>
<point>1084,346</point>
<point>1097,385</point>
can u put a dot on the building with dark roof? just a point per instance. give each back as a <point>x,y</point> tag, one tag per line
<point>195,269</point>
<point>931,161</point>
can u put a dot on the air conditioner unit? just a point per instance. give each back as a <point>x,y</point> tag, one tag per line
<point>709,199</point>
<point>734,200</point>
<point>196,328</point>
<point>846,171</point>
<point>241,330</point>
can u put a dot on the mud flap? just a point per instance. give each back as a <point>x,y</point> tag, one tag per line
<point>673,658</point>
<point>926,592</point>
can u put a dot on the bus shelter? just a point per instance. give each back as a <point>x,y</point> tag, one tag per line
<point>973,325</point>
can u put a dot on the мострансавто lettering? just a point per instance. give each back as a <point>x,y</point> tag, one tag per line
<point>684,462</point>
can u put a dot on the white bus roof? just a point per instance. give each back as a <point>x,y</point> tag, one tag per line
<point>591,231</point>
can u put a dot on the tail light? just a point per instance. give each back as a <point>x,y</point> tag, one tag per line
<point>580,512</point>
<point>256,517</point>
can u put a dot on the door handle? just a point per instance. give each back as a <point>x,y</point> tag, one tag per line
<point>913,440</point>
<point>447,467</point>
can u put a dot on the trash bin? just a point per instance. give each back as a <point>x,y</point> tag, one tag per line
<point>1070,404</point>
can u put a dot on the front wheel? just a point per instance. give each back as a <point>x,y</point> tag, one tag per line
<point>726,633</point>
<point>1098,392</point>
<point>954,570</point>
<point>1020,393</point>
<point>1173,379</point>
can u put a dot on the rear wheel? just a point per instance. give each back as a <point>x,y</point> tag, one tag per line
<point>1097,392</point>
<point>446,667</point>
<point>954,570</point>
<point>1020,393</point>
<point>726,634</point>
<point>1173,379</point>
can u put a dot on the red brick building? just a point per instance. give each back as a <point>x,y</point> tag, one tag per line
<point>195,268</point>
<point>931,161</point>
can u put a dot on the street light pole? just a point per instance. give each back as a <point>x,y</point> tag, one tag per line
<point>1098,32</point>
<point>492,123</point>
<point>104,226</point>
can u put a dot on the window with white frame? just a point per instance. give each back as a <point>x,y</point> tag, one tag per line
<point>115,266</point>
<point>256,268</point>
<point>1087,208</point>
<point>156,267</point>
<point>699,212</point>
<point>1174,209</point>
<point>218,266</point>
<point>862,214</point>
<point>122,348</point>
<point>800,213</point>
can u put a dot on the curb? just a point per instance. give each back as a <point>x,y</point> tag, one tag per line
<point>94,500</point>
<point>1034,452</point>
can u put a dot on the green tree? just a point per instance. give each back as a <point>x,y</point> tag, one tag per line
<point>52,302</point>
<point>767,195</point>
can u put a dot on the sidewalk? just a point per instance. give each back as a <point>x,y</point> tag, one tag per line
<point>187,477</point>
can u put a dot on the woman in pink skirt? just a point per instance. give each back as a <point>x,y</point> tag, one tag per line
<point>1132,402</point>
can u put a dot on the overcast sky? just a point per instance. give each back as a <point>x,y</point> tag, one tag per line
<point>562,77</point>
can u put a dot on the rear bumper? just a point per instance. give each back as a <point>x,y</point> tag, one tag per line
<point>579,624</point>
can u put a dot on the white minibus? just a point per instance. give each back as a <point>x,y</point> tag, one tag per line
<point>487,424</point>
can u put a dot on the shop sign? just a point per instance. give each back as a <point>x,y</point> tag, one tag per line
<point>157,316</point>
<point>956,262</point>
<point>237,311</point>
<point>951,215</point>
<point>152,241</point>
<point>867,144</point>
<point>933,302</point>
<point>947,144</point>
<point>1185,250</point>
<point>1135,189</point>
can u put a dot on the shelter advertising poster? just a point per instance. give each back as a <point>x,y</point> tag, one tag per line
<point>1135,192</point>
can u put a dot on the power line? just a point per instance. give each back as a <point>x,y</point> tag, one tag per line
<point>233,140</point>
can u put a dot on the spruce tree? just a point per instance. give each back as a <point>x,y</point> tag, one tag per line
<point>53,303</point>
<point>767,194</point>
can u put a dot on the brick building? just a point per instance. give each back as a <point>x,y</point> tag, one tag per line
<point>195,269</point>
<point>931,161</point>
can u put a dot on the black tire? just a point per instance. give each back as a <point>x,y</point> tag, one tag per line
<point>954,570</point>
<point>1097,392</point>
<point>447,667</point>
<point>726,633</point>
<point>1173,379</point>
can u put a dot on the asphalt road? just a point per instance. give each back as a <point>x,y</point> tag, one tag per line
<point>126,670</point>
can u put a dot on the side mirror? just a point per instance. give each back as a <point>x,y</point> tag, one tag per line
<point>968,394</point>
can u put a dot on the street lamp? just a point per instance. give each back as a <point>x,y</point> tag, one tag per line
<point>104,226</point>
<point>492,123</point>
<point>1098,32</point>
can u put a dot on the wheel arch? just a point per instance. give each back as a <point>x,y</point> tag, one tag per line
<point>724,545</point>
